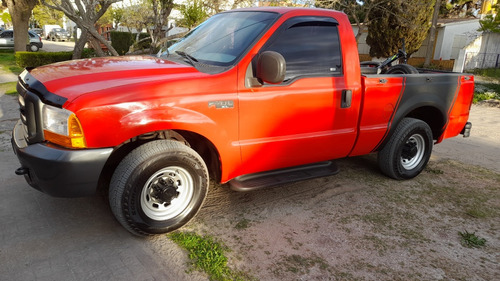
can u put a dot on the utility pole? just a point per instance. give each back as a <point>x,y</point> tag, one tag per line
<point>432,34</point>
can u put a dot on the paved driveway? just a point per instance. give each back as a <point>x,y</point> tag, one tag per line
<point>45,238</point>
<point>51,46</point>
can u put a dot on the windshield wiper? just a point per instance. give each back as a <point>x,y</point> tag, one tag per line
<point>192,60</point>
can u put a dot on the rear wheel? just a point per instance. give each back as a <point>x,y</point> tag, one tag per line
<point>158,187</point>
<point>408,150</point>
<point>33,48</point>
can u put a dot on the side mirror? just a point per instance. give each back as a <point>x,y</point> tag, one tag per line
<point>271,67</point>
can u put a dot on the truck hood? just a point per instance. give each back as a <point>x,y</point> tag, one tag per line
<point>72,79</point>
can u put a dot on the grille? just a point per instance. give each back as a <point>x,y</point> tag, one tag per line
<point>30,108</point>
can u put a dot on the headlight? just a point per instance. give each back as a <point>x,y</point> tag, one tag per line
<point>61,126</point>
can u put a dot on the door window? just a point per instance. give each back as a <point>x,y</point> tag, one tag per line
<point>310,46</point>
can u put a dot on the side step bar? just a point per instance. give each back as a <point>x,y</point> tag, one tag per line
<point>282,176</point>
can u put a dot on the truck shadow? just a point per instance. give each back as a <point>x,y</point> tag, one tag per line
<point>352,177</point>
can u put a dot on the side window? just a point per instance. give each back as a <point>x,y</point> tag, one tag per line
<point>7,34</point>
<point>310,48</point>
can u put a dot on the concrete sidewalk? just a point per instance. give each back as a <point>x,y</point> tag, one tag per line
<point>7,77</point>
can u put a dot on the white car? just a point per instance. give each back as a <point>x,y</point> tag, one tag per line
<point>7,40</point>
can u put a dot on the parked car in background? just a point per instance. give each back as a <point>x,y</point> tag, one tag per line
<point>37,31</point>
<point>59,34</point>
<point>7,40</point>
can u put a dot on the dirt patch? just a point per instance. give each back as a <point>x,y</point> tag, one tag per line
<point>360,225</point>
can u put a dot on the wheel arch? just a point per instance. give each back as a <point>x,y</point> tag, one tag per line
<point>431,115</point>
<point>204,147</point>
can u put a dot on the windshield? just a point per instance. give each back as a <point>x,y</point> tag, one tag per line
<point>222,39</point>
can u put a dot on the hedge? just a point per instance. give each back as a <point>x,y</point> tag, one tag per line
<point>32,59</point>
<point>122,41</point>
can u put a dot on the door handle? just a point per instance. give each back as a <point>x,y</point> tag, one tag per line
<point>346,99</point>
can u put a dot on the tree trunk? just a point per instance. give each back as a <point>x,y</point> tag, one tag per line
<point>432,35</point>
<point>80,44</point>
<point>96,45</point>
<point>93,32</point>
<point>20,12</point>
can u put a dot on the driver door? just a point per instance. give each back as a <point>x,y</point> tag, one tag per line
<point>299,121</point>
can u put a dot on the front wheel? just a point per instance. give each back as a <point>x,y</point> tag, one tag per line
<point>158,187</point>
<point>408,150</point>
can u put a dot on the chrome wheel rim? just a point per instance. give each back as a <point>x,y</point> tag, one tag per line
<point>413,152</point>
<point>167,193</point>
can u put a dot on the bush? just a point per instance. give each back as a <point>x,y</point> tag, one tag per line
<point>146,44</point>
<point>31,59</point>
<point>122,41</point>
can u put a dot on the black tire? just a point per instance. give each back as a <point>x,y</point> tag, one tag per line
<point>158,187</point>
<point>408,150</point>
<point>33,48</point>
<point>401,69</point>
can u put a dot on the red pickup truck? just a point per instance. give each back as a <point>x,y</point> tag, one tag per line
<point>253,97</point>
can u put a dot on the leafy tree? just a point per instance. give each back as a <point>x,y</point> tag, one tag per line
<point>135,17</point>
<point>453,8</point>
<point>217,6</point>
<point>44,15</point>
<point>396,20</point>
<point>7,20</point>
<point>107,18</point>
<point>157,20</point>
<point>20,11</point>
<point>291,3</point>
<point>491,23</point>
<point>192,14</point>
<point>117,15</point>
<point>85,14</point>
<point>359,12</point>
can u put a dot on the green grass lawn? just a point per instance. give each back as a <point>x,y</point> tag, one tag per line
<point>8,62</point>
<point>486,91</point>
<point>8,65</point>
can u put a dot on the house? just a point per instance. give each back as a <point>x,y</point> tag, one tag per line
<point>452,35</point>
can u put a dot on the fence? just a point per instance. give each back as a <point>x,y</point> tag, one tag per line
<point>475,60</point>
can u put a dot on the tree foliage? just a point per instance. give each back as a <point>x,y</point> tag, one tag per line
<point>454,8</point>
<point>152,15</point>
<point>117,15</point>
<point>217,6</point>
<point>396,20</point>
<point>44,15</point>
<point>161,9</point>
<point>360,13</point>
<point>292,3</point>
<point>491,23</point>
<point>7,20</point>
<point>193,13</point>
<point>85,13</point>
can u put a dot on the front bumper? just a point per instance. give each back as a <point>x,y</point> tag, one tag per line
<point>57,171</point>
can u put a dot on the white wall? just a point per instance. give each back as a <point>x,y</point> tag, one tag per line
<point>446,38</point>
